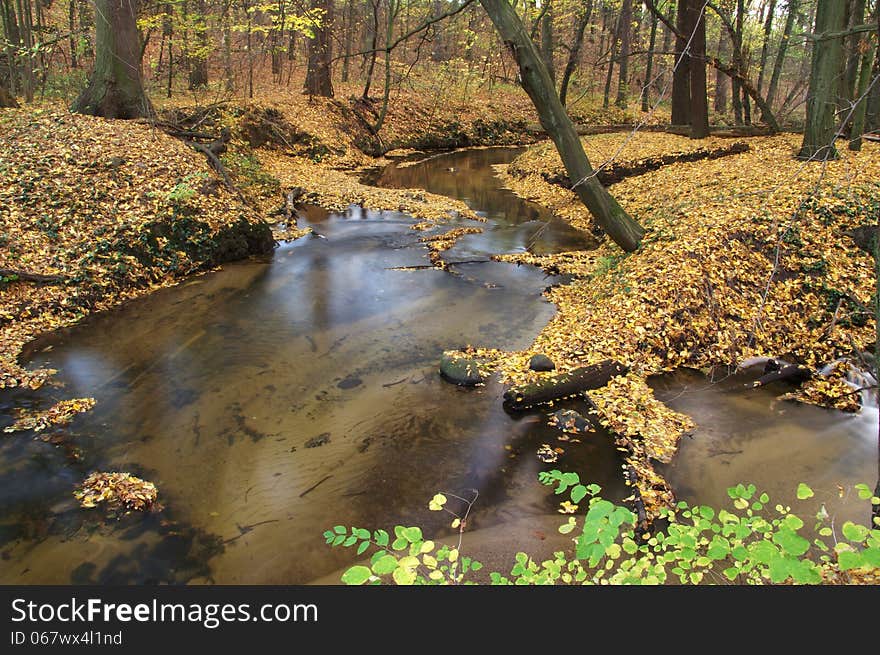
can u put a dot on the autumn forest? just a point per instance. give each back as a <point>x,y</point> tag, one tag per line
<point>439,292</point>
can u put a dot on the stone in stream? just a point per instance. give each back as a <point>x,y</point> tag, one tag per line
<point>571,421</point>
<point>460,369</point>
<point>541,363</point>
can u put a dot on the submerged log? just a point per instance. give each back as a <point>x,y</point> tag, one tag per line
<point>563,385</point>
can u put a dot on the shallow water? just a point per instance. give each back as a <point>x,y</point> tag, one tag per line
<point>273,399</point>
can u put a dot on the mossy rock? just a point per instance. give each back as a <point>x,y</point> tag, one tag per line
<point>460,369</point>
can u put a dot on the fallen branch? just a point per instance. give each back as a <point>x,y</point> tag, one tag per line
<point>564,385</point>
<point>37,278</point>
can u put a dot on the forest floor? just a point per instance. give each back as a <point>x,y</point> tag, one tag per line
<point>745,257</point>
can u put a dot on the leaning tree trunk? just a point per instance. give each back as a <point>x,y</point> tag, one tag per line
<point>116,88</point>
<point>318,79</point>
<point>537,83</point>
<point>827,64</point>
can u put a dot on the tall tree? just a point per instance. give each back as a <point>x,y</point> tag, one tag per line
<point>681,76</point>
<point>610,216</point>
<point>318,72</point>
<point>827,63</point>
<point>721,81</point>
<point>765,46</point>
<point>585,11</point>
<point>547,40</point>
<point>626,19</point>
<point>115,89</point>
<point>198,57</point>
<point>649,66</point>
<point>699,113</point>
<point>780,55</point>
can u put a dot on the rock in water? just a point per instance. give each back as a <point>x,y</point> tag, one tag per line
<point>571,421</point>
<point>541,363</point>
<point>458,368</point>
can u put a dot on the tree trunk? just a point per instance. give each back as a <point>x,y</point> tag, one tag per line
<point>699,101</point>
<point>681,76</point>
<point>349,35</point>
<point>198,71</point>
<point>649,66</point>
<point>610,216</point>
<point>626,19</point>
<point>318,73</point>
<point>780,56</point>
<point>438,45</point>
<point>6,98</point>
<point>861,109</point>
<point>827,63</point>
<point>768,29</point>
<point>86,21</point>
<point>547,45</point>
<point>872,120</point>
<point>373,43</point>
<point>227,45</point>
<point>721,83</point>
<point>612,55</point>
<point>851,74</point>
<point>71,26</point>
<point>116,88</point>
<point>575,50</point>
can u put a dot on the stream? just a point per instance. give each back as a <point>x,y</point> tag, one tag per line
<point>273,399</point>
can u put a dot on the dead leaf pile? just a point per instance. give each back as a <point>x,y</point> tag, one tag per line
<point>109,210</point>
<point>120,493</point>
<point>60,413</point>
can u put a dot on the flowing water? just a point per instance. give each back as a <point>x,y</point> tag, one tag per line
<point>274,399</point>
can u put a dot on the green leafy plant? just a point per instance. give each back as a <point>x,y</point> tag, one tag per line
<point>754,544</point>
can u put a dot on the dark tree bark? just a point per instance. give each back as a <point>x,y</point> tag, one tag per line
<point>612,56</point>
<point>699,101</point>
<point>349,35</point>
<point>115,89</point>
<point>71,25</point>
<point>6,98</point>
<point>827,64</point>
<point>681,76</point>
<point>649,66</point>
<point>626,19</point>
<point>721,80</point>
<point>547,40</point>
<point>780,56</point>
<point>861,109</point>
<point>765,46</point>
<point>575,50</point>
<point>850,77</point>
<point>198,71</point>
<point>318,73</point>
<point>609,215</point>
<point>373,49</point>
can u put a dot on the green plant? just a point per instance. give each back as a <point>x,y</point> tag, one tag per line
<point>753,544</point>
